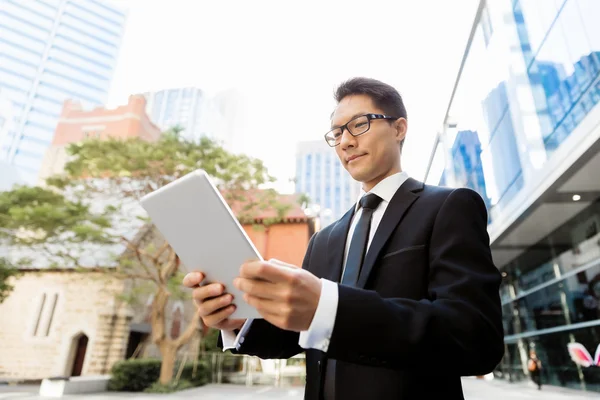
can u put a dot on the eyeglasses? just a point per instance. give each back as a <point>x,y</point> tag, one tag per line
<point>356,127</point>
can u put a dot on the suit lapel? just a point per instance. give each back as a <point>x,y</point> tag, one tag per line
<point>336,245</point>
<point>399,205</point>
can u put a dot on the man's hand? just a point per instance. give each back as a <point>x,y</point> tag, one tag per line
<point>214,305</point>
<point>284,295</point>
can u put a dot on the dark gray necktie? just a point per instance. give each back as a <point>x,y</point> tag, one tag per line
<point>356,256</point>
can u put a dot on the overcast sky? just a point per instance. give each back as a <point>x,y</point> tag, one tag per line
<point>286,57</point>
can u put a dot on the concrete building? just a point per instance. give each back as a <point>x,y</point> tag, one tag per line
<point>523,129</point>
<point>320,175</point>
<point>76,124</point>
<point>50,51</point>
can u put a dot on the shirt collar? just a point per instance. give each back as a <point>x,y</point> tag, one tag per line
<point>386,188</point>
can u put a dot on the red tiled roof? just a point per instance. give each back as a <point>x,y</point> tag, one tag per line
<point>253,205</point>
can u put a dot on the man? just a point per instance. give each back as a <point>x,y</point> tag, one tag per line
<point>534,365</point>
<point>417,306</point>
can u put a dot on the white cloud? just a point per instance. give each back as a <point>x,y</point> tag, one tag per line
<point>286,57</point>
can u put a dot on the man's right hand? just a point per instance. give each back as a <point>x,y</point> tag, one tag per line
<point>213,303</point>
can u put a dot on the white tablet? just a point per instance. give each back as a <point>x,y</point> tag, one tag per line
<point>199,225</point>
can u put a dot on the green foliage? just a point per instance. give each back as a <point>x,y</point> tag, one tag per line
<point>210,341</point>
<point>140,166</point>
<point>35,215</point>
<point>304,199</point>
<point>171,387</point>
<point>142,375</point>
<point>62,222</point>
<point>7,270</point>
<point>134,375</point>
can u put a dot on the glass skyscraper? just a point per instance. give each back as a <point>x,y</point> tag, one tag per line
<point>50,51</point>
<point>216,117</point>
<point>523,130</point>
<point>177,107</point>
<point>320,175</point>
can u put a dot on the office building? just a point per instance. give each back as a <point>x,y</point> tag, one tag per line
<point>321,176</point>
<point>50,51</point>
<point>76,124</point>
<point>198,114</point>
<point>9,175</point>
<point>177,107</point>
<point>523,129</point>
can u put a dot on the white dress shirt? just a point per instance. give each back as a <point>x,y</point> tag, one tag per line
<point>318,334</point>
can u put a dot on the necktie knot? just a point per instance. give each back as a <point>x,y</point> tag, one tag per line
<point>370,201</point>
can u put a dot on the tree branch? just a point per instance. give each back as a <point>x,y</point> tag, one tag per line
<point>139,253</point>
<point>162,249</point>
<point>157,317</point>
<point>188,333</point>
<point>171,266</point>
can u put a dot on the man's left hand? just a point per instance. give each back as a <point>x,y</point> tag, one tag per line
<point>284,295</point>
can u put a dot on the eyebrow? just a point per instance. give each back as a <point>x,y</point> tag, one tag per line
<point>354,116</point>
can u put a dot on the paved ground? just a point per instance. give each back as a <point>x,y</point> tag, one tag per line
<point>474,390</point>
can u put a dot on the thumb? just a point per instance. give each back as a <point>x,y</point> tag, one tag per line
<point>281,263</point>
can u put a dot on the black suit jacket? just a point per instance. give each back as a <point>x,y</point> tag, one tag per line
<point>426,310</point>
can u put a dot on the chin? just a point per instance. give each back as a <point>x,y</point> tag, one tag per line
<point>358,175</point>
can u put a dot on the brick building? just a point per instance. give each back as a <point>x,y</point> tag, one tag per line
<point>76,124</point>
<point>285,240</point>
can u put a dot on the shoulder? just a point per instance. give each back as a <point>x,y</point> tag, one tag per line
<point>452,196</point>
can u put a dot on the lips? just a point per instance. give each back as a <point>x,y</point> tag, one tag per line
<point>354,157</point>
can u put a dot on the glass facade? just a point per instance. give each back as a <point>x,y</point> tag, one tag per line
<point>542,65</point>
<point>51,51</point>
<point>184,107</point>
<point>320,175</point>
<point>529,82</point>
<point>550,299</point>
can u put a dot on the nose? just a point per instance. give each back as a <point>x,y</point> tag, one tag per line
<point>347,140</point>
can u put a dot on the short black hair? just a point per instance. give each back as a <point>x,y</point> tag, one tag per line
<point>384,96</point>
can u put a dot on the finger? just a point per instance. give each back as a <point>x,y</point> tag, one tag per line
<point>217,318</point>
<point>211,306</point>
<point>230,324</point>
<point>280,263</point>
<point>193,279</point>
<point>203,293</point>
<point>265,271</point>
<point>266,306</point>
<point>257,288</point>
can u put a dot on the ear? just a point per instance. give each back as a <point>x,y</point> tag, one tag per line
<point>401,126</point>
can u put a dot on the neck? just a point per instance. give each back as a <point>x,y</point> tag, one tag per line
<point>367,186</point>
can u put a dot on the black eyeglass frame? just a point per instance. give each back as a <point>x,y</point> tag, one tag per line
<point>369,116</point>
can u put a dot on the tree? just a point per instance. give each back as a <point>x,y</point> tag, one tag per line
<point>7,271</point>
<point>85,217</point>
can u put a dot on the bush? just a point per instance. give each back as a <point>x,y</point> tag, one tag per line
<point>134,375</point>
<point>169,388</point>
<point>201,377</point>
<point>139,375</point>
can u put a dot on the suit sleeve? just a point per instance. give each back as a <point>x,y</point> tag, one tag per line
<point>458,326</point>
<point>267,341</point>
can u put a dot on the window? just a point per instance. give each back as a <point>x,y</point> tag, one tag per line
<point>44,314</point>
<point>486,23</point>
<point>176,321</point>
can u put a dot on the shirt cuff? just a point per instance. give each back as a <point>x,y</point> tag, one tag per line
<point>319,332</point>
<point>233,341</point>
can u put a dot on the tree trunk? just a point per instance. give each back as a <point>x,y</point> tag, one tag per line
<point>169,354</point>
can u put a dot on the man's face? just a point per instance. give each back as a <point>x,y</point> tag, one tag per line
<point>374,155</point>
